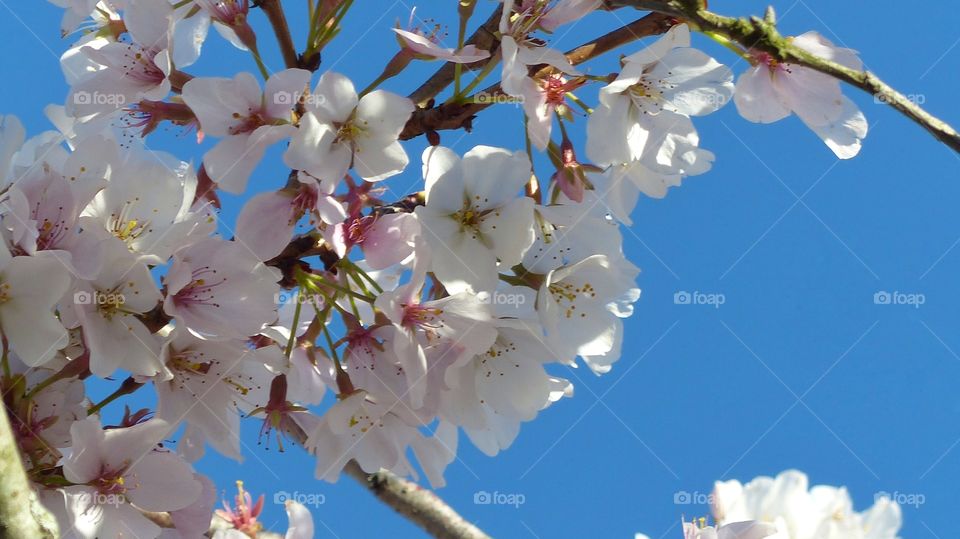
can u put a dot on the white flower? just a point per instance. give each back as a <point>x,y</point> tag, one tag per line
<point>339,130</point>
<point>427,46</point>
<point>120,74</point>
<point>219,289</point>
<point>147,205</point>
<point>44,205</point>
<point>247,119</point>
<point>474,219</point>
<point>30,287</point>
<point>771,90</point>
<point>645,113</point>
<point>115,469</point>
<point>822,512</point>
<point>107,308</point>
<point>493,392</point>
<point>580,307</point>
<point>213,383</point>
<point>373,434</point>
<point>443,330</point>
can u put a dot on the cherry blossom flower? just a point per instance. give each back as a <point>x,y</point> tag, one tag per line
<point>30,287</point>
<point>107,309</point>
<point>267,221</point>
<point>212,384</point>
<point>340,130</point>
<point>148,205</point>
<point>376,436</point>
<point>645,113</point>
<point>428,47</point>
<point>124,73</point>
<point>771,90</point>
<point>247,119</point>
<point>796,511</point>
<point>45,203</point>
<point>519,52</point>
<point>493,392</point>
<point>114,470</point>
<point>219,289</point>
<point>385,239</point>
<point>473,215</point>
<point>456,325</point>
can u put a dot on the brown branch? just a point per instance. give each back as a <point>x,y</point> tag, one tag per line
<point>279,23</point>
<point>761,34</point>
<point>418,505</point>
<point>460,115</point>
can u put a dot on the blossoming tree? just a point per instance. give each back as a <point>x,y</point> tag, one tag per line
<point>113,258</point>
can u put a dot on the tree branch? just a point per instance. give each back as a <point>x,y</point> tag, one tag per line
<point>460,115</point>
<point>420,506</point>
<point>279,23</point>
<point>21,513</point>
<point>761,34</point>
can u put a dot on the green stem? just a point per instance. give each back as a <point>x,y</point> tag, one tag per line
<point>487,69</point>
<point>296,323</point>
<point>127,387</point>
<point>264,72</point>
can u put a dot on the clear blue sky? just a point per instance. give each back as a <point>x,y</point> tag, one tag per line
<point>798,368</point>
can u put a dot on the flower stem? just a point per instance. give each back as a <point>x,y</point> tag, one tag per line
<point>127,387</point>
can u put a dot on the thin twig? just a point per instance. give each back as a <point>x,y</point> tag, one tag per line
<point>278,21</point>
<point>460,115</point>
<point>761,34</point>
<point>419,505</point>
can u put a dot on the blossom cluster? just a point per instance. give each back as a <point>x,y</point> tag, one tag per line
<point>786,507</point>
<point>425,316</point>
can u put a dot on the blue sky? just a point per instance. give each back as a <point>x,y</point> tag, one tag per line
<point>799,368</point>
